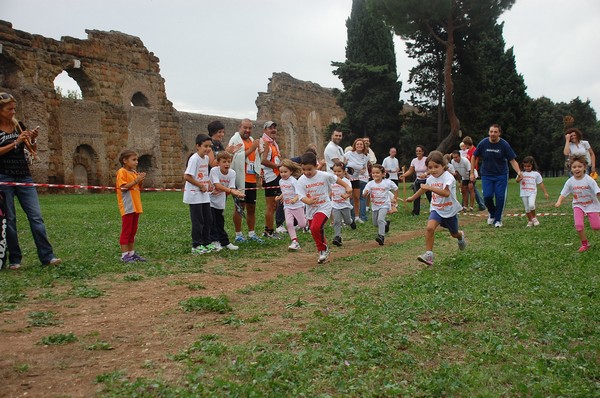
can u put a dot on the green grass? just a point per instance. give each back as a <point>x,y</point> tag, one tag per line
<point>516,314</point>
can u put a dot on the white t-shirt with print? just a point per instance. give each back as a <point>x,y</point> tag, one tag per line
<point>288,192</point>
<point>584,193</point>
<point>198,168</point>
<point>219,198</point>
<point>379,193</point>
<point>317,187</point>
<point>337,190</point>
<point>358,161</point>
<point>391,163</point>
<point>444,206</point>
<point>529,183</point>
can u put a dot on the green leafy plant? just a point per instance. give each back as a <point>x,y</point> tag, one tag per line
<point>210,304</point>
<point>58,339</point>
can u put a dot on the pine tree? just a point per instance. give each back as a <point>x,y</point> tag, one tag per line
<point>371,95</point>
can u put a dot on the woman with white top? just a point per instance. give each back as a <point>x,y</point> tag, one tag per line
<point>419,168</point>
<point>357,160</point>
<point>576,145</point>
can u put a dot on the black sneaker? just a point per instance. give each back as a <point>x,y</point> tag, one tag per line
<point>380,239</point>
<point>387,226</point>
<point>353,225</point>
<point>337,240</point>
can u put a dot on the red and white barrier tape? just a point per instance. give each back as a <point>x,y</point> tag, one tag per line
<point>101,187</point>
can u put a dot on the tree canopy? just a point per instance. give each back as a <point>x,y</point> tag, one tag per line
<point>371,95</point>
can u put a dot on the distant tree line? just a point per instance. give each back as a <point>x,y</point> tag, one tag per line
<point>464,81</point>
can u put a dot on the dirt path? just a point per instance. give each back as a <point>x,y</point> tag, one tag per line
<point>141,320</point>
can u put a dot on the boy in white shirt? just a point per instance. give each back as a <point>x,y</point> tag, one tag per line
<point>223,181</point>
<point>197,195</point>
<point>314,189</point>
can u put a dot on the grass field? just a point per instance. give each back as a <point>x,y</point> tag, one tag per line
<point>516,314</point>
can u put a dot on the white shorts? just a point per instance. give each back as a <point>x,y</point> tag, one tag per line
<point>529,202</point>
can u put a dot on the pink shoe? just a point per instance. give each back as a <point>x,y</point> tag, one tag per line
<point>584,248</point>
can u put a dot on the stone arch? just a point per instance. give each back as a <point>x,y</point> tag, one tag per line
<point>67,86</point>
<point>139,99</point>
<point>9,72</point>
<point>146,165</point>
<point>85,84</point>
<point>85,166</point>
<point>289,122</point>
<point>314,128</point>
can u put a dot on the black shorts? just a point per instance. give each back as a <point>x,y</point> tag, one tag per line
<point>466,183</point>
<point>355,184</point>
<point>271,192</point>
<point>250,197</point>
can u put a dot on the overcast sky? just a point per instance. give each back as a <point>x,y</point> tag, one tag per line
<point>216,56</point>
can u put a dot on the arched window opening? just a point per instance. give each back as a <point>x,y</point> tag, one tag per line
<point>67,87</point>
<point>139,99</point>
<point>144,163</point>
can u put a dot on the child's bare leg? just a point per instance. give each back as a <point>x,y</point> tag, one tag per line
<point>430,234</point>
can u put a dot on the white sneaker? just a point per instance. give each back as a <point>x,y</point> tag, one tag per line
<point>294,246</point>
<point>231,246</point>
<point>530,223</point>
<point>491,221</point>
<point>497,224</point>
<point>217,246</point>
<point>535,222</point>
<point>323,256</point>
<point>426,258</point>
<point>281,229</point>
<point>358,220</point>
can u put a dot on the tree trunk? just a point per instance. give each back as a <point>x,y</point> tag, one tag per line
<point>447,142</point>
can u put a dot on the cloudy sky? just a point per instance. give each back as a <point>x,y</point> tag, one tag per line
<point>217,55</point>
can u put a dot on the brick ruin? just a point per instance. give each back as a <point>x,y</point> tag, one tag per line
<point>125,105</point>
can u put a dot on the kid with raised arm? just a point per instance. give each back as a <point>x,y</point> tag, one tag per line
<point>222,178</point>
<point>379,191</point>
<point>128,186</point>
<point>197,194</point>
<point>444,205</point>
<point>585,198</point>
<point>314,188</point>
<point>528,184</point>
<point>292,206</point>
<point>340,204</point>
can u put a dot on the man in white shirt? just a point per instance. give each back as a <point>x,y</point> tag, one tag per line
<point>333,151</point>
<point>391,166</point>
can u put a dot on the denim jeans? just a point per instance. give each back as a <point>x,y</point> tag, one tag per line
<point>28,199</point>
<point>362,204</point>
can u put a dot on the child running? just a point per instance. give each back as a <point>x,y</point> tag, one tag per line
<point>222,178</point>
<point>197,194</point>
<point>444,205</point>
<point>313,189</point>
<point>529,181</point>
<point>292,206</point>
<point>128,186</point>
<point>379,191</point>
<point>340,204</point>
<point>585,198</point>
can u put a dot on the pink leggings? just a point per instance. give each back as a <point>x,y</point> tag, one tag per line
<point>579,215</point>
<point>290,214</point>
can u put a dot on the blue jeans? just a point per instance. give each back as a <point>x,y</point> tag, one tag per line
<point>478,197</point>
<point>362,204</point>
<point>495,187</point>
<point>28,199</point>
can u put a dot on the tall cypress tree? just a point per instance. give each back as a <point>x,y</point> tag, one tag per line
<point>371,95</point>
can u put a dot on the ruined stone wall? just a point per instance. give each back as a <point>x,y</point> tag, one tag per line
<point>125,106</point>
<point>113,71</point>
<point>303,110</point>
